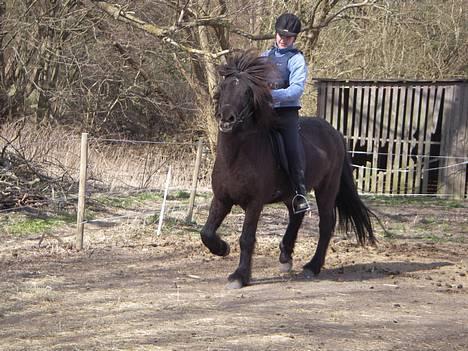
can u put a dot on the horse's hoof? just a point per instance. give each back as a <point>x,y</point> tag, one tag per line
<point>227,251</point>
<point>309,274</point>
<point>286,267</point>
<point>235,284</point>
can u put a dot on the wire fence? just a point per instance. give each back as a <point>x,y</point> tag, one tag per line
<point>121,167</point>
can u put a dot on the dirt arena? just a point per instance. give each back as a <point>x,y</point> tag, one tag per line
<point>132,290</point>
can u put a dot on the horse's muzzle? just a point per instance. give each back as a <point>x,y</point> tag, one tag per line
<point>226,127</point>
<point>226,123</point>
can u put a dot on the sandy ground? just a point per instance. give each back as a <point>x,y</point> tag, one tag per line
<point>132,290</point>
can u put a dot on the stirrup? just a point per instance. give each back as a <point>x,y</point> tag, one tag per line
<point>302,206</point>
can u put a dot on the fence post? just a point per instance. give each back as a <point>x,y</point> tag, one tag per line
<point>82,192</point>
<point>193,191</point>
<point>163,206</point>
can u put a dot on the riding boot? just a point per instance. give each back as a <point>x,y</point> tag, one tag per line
<point>300,202</point>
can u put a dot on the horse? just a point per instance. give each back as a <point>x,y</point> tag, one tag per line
<point>246,172</point>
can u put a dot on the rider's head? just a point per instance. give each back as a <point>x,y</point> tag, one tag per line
<point>287,28</point>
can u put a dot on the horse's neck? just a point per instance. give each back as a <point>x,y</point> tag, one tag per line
<point>232,148</point>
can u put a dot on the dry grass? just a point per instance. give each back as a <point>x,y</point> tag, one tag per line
<point>113,166</point>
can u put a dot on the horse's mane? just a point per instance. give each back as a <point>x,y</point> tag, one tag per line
<point>255,71</point>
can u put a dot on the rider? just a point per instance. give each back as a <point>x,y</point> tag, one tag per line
<point>286,93</point>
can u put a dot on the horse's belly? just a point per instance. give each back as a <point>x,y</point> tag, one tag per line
<point>241,189</point>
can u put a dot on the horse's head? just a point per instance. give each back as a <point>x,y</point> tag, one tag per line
<point>233,103</point>
<point>243,97</point>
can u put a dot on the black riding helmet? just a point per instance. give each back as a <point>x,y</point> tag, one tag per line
<point>288,25</point>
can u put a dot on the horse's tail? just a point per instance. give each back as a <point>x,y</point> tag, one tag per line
<point>353,214</point>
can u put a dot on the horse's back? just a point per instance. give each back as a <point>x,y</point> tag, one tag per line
<point>324,149</point>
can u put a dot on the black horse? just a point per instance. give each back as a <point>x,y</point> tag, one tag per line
<point>246,171</point>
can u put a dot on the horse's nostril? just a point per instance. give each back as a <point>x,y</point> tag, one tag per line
<point>231,119</point>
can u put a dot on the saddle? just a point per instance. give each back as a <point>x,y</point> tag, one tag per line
<point>279,151</point>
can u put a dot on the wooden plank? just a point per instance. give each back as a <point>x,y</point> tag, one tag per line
<point>445,140</point>
<point>413,124</point>
<point>376,136</point>
<point>329,104</point>
<point>370,141</point>
<point>366,91</point>
<point>380,182</point>
<point>358,116</point>
<point>460,149</point>
<point>341,111</point>
<point>383,131</point>
<point>437,107</point>
<point>336,107</point>
<point>404,132</point>
<point>80,215</point>
<point>360,179</point>
<point>433,91</point>
<point>322,99</point>
<point>397,168</point>
<point>391,173</point>
<point>420,140</point>
<point>350,120</point>
<point>386,109</point>
<point>452,142</point>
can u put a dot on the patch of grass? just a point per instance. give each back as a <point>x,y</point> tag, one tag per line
<point>26,226</point>
<point>416,200</point>
<point>127,201</point>
<point>130,201</point>
<point>179,195</point>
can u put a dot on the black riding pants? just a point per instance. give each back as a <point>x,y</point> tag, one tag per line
<point>288,126</point>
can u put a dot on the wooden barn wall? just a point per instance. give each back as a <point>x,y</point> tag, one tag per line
<point>404,138</point>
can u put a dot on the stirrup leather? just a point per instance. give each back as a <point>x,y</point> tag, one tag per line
<point>300,204</point>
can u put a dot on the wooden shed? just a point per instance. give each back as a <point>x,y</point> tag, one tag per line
<point>404,137</point>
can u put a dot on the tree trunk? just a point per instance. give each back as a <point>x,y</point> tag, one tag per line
<point>3,94</point>
<point>211,80</point>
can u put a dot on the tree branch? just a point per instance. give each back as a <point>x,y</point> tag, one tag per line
<point>327,21</point>
<point>163,33</point>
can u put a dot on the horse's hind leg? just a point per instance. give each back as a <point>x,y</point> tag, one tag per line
<point>327,221</point>
<point>289,239</point>
<point>218,211</point>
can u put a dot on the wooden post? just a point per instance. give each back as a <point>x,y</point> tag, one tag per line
<point>193,191</point>
<point>82,192</point>
<point>163,206</point>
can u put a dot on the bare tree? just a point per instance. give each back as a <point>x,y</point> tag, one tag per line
<point>204,31</point>
<point>424,39</point>
<point>148,68</point>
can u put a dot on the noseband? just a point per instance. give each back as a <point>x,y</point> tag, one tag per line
<point>245,113</point>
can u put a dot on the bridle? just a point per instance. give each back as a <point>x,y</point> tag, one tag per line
<point>246,111</point>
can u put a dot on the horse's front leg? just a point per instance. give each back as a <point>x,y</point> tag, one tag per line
<point>242,274</point>
<point>218,211</point>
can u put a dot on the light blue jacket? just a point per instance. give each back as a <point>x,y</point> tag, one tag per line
<point>290,96</point>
